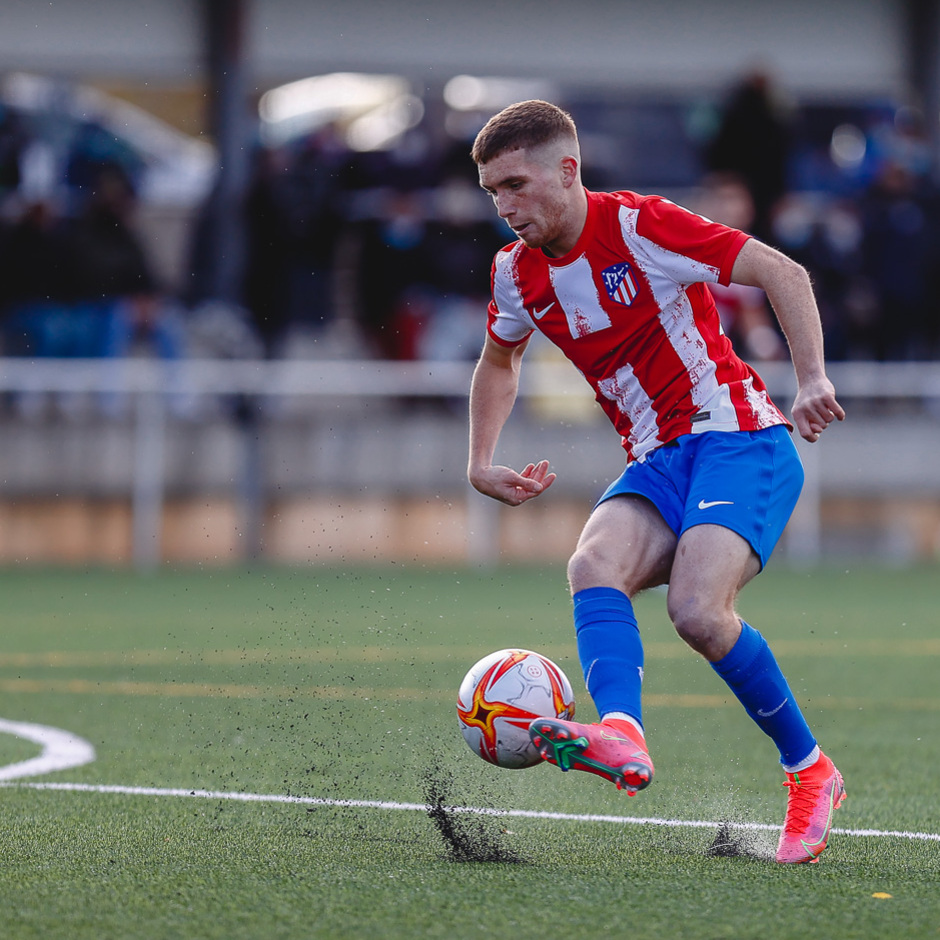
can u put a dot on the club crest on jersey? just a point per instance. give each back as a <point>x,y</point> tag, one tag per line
<point>621,283</point>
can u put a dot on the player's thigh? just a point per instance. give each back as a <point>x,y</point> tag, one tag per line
<point>712,563</point>
<point>625,544</point>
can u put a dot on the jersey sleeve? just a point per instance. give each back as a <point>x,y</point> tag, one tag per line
<point>711,247</point>
<point>508,323</point>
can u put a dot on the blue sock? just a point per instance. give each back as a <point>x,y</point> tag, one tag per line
<point>752,673</point>
<point>610,650</point>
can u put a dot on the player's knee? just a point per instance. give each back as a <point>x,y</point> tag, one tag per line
<point>702,624</point>
<point>583,569</point>
<point>592,566</point>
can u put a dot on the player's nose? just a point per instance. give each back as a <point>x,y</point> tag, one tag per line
<point>504,207</point>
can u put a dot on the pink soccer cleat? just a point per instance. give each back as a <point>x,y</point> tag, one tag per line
<point>815,793</point>
<point>614,750</point>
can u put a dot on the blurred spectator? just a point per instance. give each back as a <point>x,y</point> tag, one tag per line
<point>900,257</point>
<point>34,282</point>
<point>465,239</point>
<point>267,289</point>
<point>293,222</point>
<point>94,152</point>
<point>744,313</point>
<point>308,198</point>
<point>113,291</point>
<point>825,235</point>
<point>395,281</point>
<point>12,143</point>
<point>902,141</point>
<point>753,141</point>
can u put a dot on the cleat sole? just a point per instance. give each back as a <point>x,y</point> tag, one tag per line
<point>556,745</point>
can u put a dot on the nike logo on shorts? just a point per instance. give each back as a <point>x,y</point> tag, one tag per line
<point>715,502</point>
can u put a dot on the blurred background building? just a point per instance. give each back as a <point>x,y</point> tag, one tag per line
<point>282,187</point>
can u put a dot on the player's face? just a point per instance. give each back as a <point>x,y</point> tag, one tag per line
<point>532,191</point>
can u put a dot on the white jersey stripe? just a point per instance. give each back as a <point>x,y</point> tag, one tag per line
<point>679,269</point>
<point>667,275</point>
<point>577,293</point>
<point>623,389</point>
<point>512,323</point>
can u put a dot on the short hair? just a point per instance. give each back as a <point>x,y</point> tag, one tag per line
<point>520,126</point>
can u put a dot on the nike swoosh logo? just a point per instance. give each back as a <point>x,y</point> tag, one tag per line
<point>770,714</point>
<point>715,502</point>
<point>812,845</point>
<point>538,314</point>
<point>627,741</point>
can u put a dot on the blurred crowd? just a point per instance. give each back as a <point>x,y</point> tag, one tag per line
<point>75,276</point>
<point>395,244</point>
<point>862,214</point>
<point>387,253</point>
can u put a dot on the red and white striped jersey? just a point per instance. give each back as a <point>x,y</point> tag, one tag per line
<point>628,306</point>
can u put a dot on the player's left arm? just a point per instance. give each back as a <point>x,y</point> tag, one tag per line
<point>790,292</point>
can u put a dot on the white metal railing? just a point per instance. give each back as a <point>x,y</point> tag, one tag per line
<point>150,382</point>
<point>363,378</point>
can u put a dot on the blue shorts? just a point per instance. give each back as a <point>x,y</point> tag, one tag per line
<point>746,481</point>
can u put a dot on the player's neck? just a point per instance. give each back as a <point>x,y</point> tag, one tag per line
<point>575,220</point>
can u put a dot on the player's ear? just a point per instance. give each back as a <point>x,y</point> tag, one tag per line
<point>569,170</point>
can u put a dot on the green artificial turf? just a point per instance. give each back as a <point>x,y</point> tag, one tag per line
<point>339,685</point>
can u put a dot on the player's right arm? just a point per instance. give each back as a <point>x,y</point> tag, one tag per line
<point>492,396</point>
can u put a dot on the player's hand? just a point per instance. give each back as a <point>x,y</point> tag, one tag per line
<point>815,408</point>
<point>510,487</point>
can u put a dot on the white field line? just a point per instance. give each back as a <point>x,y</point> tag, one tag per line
<point>423,807</point>
<point>61,750</point>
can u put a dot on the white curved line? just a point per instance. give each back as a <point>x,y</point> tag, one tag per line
<point>60,750</point>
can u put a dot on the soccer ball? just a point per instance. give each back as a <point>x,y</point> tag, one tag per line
<point>500,697</point>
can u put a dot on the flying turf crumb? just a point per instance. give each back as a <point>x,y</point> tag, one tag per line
<point>724,844</point>
<point>468,838</point>
<point>734,843</point>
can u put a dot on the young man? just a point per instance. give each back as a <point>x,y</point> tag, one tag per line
<point>617,281</point>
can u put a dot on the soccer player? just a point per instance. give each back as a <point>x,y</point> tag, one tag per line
<point>617,282</point>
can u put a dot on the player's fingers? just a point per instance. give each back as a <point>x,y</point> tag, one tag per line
<point>520,495</point>
<point>811,429</point>
<point>829,409</point>
<point>536,472</point>
<point>804,425</point>
<point>528,485</point>
<point>821,419</point>
<point>813,416</point>
<point>539,470</point>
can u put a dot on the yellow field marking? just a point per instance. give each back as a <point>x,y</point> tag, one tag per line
<point>21,686</point>
<point>211,690</point>
<point>403,653</point>
<point>238,657</point>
